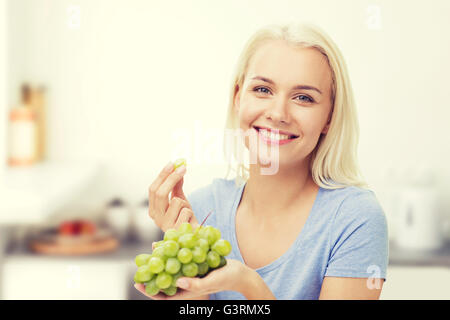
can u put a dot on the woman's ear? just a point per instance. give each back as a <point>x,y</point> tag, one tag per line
<point>327,127</point>
<point>325,130</point>
<point>237,94</point>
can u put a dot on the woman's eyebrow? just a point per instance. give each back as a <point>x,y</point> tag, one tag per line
<point>300,87</point>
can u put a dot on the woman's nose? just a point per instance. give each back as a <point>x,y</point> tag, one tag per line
<point>278,111</point>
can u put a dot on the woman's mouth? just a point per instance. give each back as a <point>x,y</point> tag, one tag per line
<point>273,137</point>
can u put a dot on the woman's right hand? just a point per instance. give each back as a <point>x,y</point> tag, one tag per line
<point>171,213</point>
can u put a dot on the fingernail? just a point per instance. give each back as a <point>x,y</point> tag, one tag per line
<point>182,283</point>
<point>169,166</point>
<point>181,169</point>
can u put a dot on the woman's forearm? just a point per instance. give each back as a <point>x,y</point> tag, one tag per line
<point>254,288</point>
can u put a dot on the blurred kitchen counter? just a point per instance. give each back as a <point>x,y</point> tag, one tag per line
<point>405,257</point>
<point>129,249</point>
<point>126,251</point>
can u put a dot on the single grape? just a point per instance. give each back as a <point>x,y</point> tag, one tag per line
<point>171,234</point>
<point>184,255</point>
<point>184,228</point>
<point>159,252</point>
<point>222,247</point>
<point>187,240</point>
<point>198,255</point>
<point>173,265</point>
<point>217,233</point>
<point>178,163</point>
<point>213,259</point>
<point>136,280</point>
<point>190,269</point>
<point>203,243</point>
<point>170,291</point>
<point>211,234</point>
<point>175,277</point>
<point>143,274</point>
<point>141,259</point>
<point>200,232</point>
<point>163,280</point>
<point>151,287</point>
<point>223,262</point>
<point>203,268</point>
<point>171,248</point>
<point>158,243</point>
<point>156,264</point>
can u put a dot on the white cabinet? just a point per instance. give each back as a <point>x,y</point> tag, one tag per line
<point>50,278</point>
<point>416,283</point>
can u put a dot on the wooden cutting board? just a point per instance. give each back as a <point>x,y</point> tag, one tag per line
<point>51,243</point>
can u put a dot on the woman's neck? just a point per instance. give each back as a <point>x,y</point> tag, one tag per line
<point>265,194</point>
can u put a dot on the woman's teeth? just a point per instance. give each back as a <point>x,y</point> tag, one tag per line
<point>273,136</point>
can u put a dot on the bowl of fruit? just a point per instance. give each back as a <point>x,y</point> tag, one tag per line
<point>184,252</point>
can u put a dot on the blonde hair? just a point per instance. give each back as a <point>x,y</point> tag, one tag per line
<point>334,159</point>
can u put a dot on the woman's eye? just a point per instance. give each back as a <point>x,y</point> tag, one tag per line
<point>304,98</point>
<point>261,90</point>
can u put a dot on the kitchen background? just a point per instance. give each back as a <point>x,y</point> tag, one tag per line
<point>116,89</point>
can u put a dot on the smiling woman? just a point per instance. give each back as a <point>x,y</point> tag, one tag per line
<point>307,230</point>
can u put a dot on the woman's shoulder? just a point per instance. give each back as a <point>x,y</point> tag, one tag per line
<point>347,191</point>
<point>356,204</point>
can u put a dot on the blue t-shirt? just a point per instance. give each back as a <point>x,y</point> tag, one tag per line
<point>345,235</point>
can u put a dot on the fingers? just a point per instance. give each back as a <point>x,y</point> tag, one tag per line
<point>178,190</point>
<point>194,222</point>
<point>172,213</point>
<point>196,286</point>
<point>162,194</point>
<point>155,186</point>
<point>185,216</point>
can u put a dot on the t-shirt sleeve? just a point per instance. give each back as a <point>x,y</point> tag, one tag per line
<point>359,239</point>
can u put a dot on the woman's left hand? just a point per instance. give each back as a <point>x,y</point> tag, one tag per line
<point>229,277</point>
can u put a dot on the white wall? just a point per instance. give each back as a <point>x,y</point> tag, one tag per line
<point>132,72</point>
<point>3,85</point>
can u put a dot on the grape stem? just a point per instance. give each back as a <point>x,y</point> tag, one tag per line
<point>206,218</point>
<point>202,223</point>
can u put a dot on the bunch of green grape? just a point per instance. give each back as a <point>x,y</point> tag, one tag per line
<point>183,252</point>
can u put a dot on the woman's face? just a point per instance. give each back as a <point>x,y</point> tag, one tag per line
<point>286,88</point>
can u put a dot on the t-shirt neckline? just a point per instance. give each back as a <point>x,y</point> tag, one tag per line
<point>292,249</point>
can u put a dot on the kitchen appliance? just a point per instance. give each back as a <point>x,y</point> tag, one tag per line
<point>118,218</point>
<point>418,218</point>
